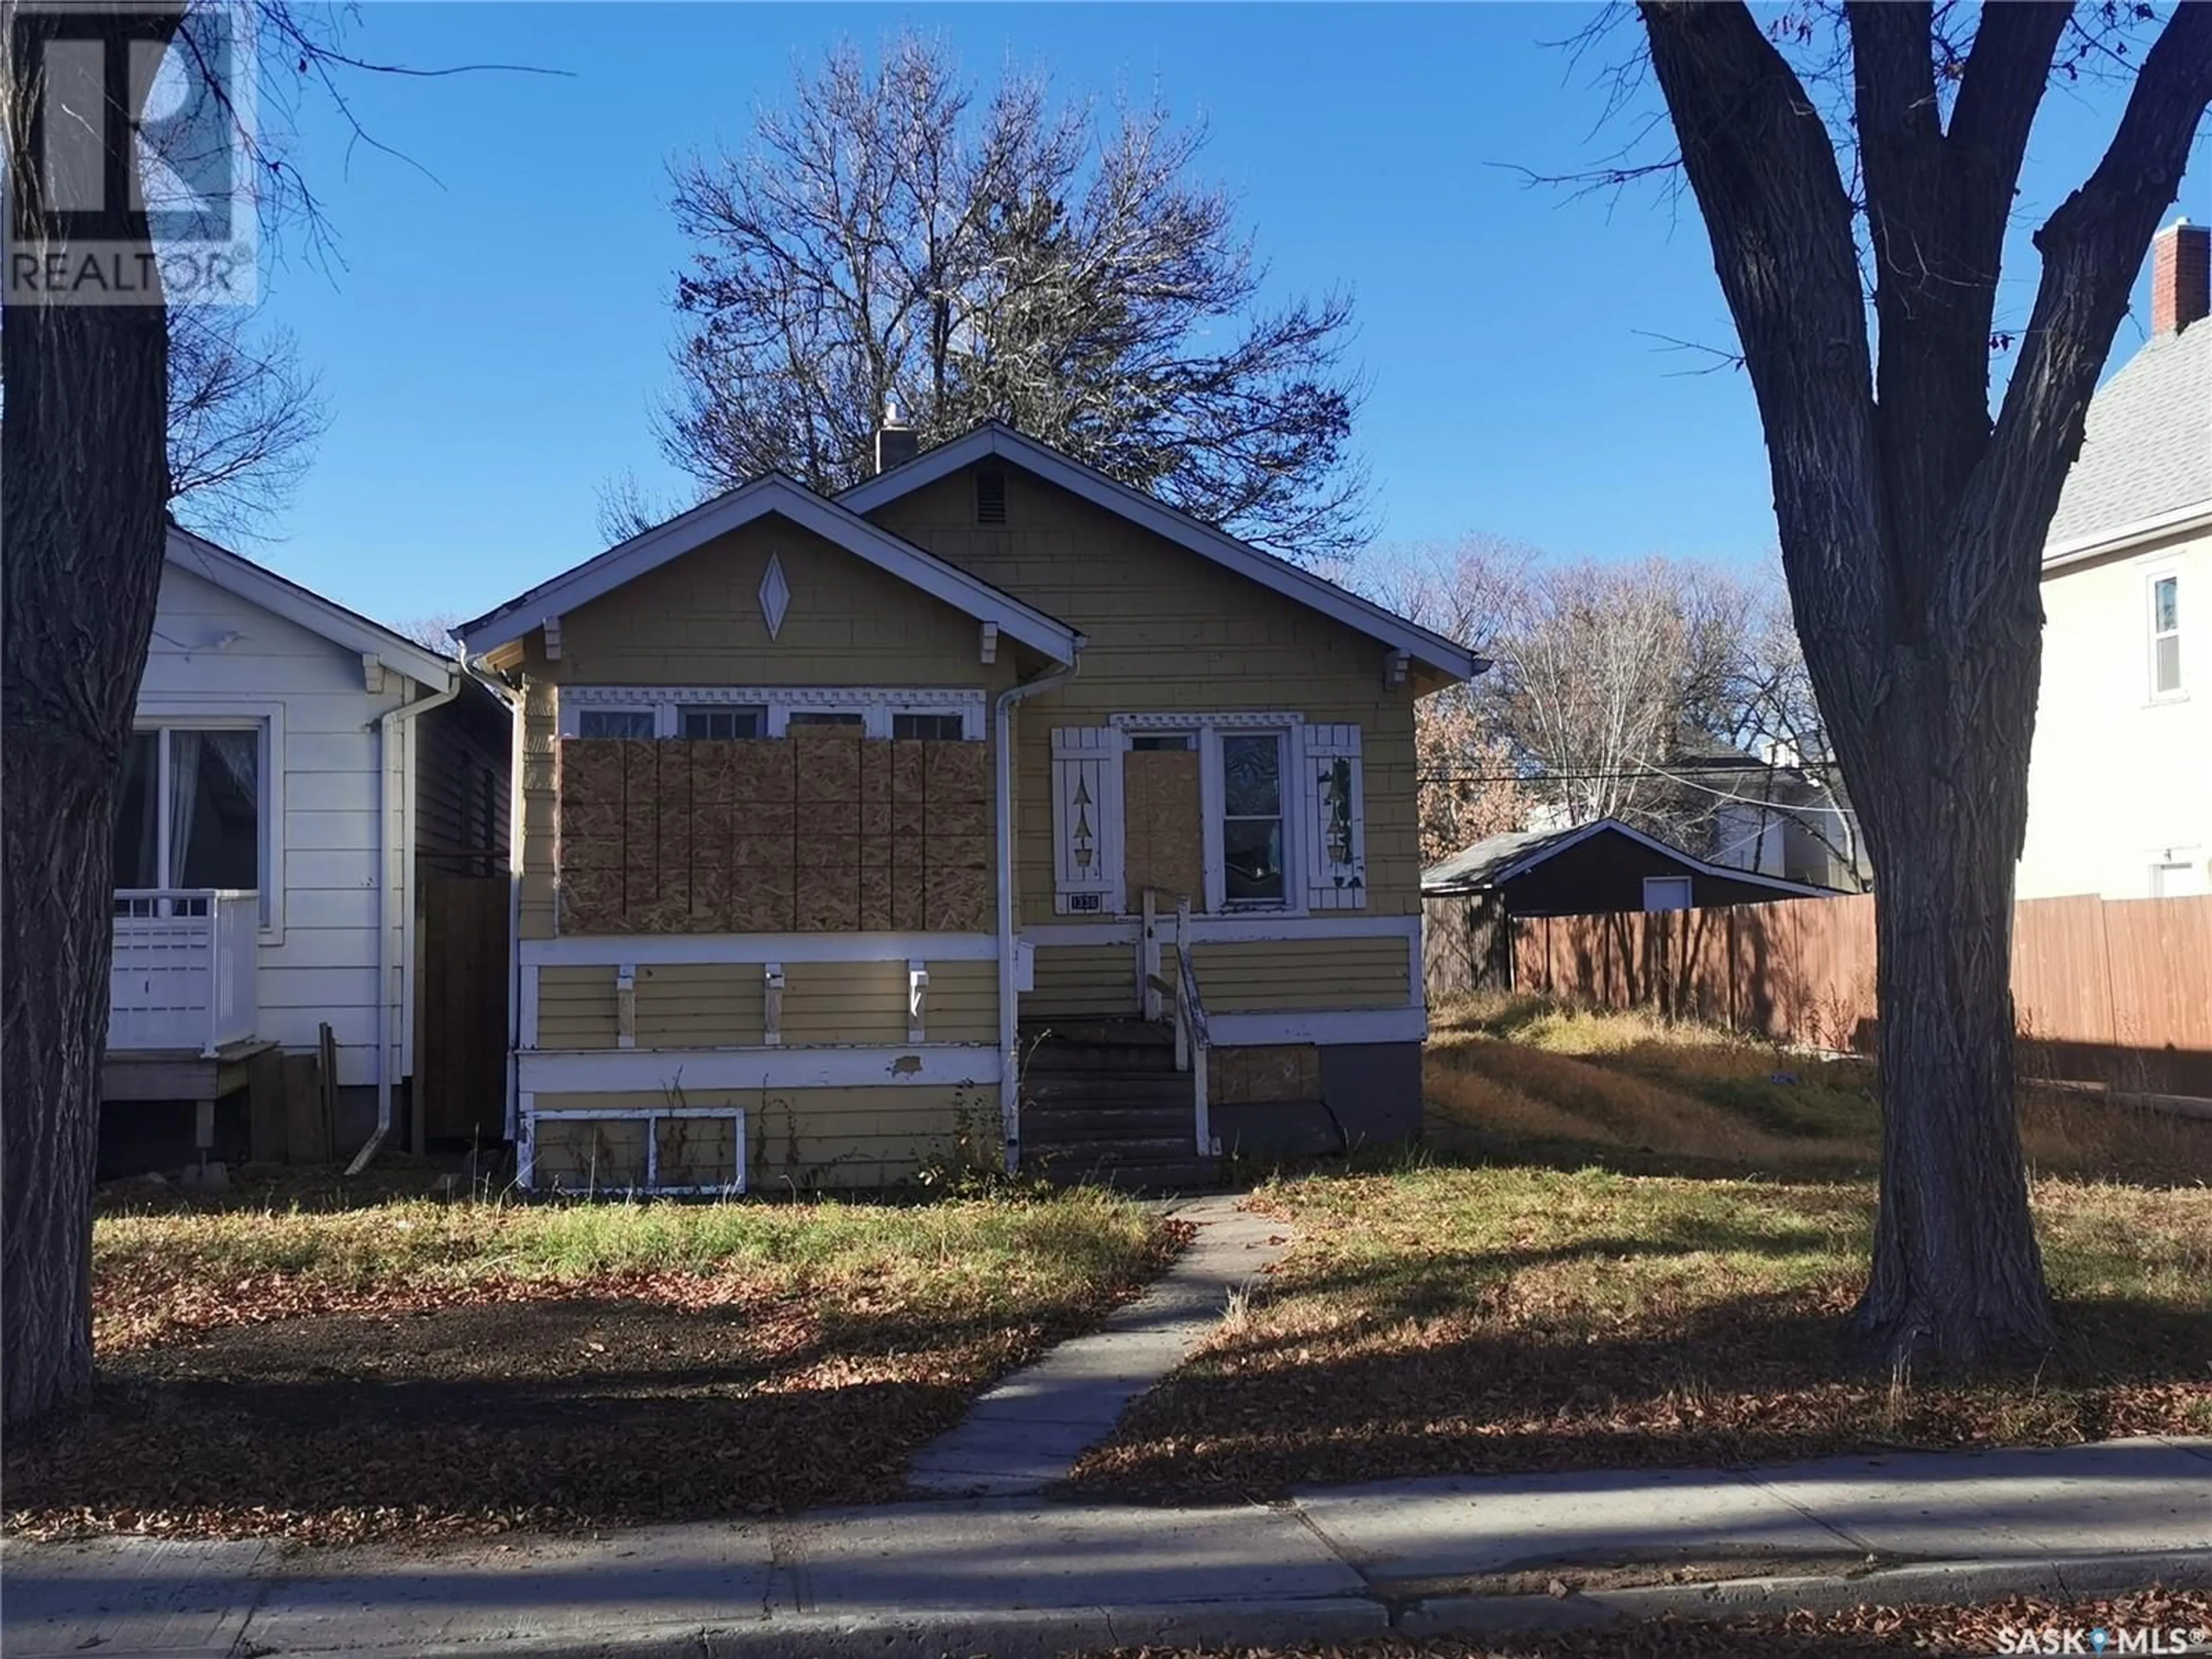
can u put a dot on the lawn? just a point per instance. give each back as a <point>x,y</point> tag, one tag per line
<point>328,1372</point>
<point>1635,1247</point>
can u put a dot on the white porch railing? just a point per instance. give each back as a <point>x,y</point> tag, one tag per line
<point>183,974</point>
<point>1192,1039</point>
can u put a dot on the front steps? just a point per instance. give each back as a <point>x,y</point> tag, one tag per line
<point>1102,1102</point>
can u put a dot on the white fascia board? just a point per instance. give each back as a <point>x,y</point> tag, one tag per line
<point>619,1071</point>
<point>774,494</point>
<point>258,585</point>
<point>1284,578</point>
<point>605,950</point>
<point>2121,538</point>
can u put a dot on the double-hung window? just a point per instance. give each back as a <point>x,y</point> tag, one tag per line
<point>194,810</point>
<point>2165,636</point>
<point>1252,844</point>
<point>615,722</point>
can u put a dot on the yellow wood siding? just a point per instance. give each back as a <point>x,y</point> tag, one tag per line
<point>722,1004</point>
<point>1170,632</point>
<point>1076,980</point>
<point>696,621</point>
<point>1304,975</point>
<point>857,1137</point>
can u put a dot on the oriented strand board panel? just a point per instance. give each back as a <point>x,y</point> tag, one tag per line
<point>1163,833</point>
<point>1304,975</point>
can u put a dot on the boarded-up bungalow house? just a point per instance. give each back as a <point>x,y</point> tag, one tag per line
<point>859,835</point>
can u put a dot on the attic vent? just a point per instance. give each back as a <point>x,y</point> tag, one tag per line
<point>990,498</point>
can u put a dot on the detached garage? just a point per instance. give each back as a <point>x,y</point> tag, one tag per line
<point>1469,900</point>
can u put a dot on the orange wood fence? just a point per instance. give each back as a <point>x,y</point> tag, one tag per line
<point>2111,990</point>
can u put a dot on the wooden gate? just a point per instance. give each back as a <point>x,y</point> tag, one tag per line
<point>460,1057</point>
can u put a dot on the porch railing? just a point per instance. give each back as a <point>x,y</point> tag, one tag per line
<point>183,974</point>
<point>1192,1041</point>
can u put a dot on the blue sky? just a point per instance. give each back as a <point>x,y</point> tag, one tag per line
<point>493,331</point>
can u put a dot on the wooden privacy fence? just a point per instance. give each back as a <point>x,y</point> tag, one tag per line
<point>2117,991</point>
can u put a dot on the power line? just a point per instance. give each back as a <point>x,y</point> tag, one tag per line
<point>1672,774</point>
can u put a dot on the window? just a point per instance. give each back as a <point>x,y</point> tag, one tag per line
<point>1666,892</point>
<point>990,498</point>
<point>191,811</point>
<point>721,720</point>
<point>937,728</point>
<point>847,717</point>
<point>1252,818</point>
<point>614,723</point>
<point>1178,743</point>
<point>2165,636</point>
<point>2171,877</point>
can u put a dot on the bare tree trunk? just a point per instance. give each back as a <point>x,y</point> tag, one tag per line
<point>81,495</point>
<point>1957,1275</point>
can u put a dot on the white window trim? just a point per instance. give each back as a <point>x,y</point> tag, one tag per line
<point>875,705</point>
<point>2178,692</point>
<point>1207,729</point>
<point>1689,894</point>
<point>267,719</point>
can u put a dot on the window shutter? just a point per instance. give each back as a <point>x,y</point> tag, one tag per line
<point>1335,819</point>
<point>1086,820</point>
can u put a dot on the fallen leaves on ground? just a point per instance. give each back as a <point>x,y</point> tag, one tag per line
<point>279,1384</point>
<point>1484,1320</point>
<point>1980,1629</point>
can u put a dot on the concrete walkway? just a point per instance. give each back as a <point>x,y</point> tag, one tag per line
<point>1028,1431</point>
<point>1018,1578</point>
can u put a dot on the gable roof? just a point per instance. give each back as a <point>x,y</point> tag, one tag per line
<point>257,585</point>
<point>1498,859</point>
<point>773,493</point>
<point>996,437</point>
<point>2147,457</point>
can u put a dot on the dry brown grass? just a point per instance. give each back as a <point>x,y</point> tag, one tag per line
<point>1515,1077</point>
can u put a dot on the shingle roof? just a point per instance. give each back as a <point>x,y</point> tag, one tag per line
<point>1478,866</point>
<point>2148,448</point>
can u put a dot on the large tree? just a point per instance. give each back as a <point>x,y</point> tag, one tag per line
<point>1912,520</point>
<point>888,239</point>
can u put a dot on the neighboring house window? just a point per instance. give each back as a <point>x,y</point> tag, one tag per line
<point>2165,636</point>
<point>1666,892</point>
<point>1252,818</point>
<point>720,720</point>
<point>614,723</point>
<point>192,810</point>
<point>2174,879</point>
<point>703,712</point>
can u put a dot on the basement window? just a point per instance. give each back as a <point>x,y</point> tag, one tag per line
<point>990,498</point>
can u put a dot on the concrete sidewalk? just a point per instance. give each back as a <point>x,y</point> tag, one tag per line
<point>1017,1578</point>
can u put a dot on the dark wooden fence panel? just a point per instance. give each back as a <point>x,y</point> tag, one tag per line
<point>2117,991</point>
<point>461,1050</point>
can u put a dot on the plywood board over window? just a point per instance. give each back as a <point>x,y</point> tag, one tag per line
<point>1163,836</point>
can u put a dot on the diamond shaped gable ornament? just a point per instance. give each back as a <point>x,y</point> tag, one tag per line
<point>775,595</point>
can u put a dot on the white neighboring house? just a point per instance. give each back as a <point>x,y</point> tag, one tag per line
<point>2120,780</point>
<point>281,791</point>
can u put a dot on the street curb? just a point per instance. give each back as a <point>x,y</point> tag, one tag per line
<point>1941,1582</point>
<point>1052,1633</point>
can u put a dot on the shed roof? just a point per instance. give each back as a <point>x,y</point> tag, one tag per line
<point>1498,859</point>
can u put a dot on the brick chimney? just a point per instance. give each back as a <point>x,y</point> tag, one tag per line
<point>897,443</point>
<point>2180,278</point>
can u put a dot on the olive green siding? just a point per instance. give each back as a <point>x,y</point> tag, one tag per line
<point>810,1138</point>
<point>722,1004</point>
<point>1304,975</point>
<point>696,621</point>
<point>1169,631</point>
<point>1082,980</point>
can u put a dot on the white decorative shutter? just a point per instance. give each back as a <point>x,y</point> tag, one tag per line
<point>1086,820</point>
<point>1334,820</point>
